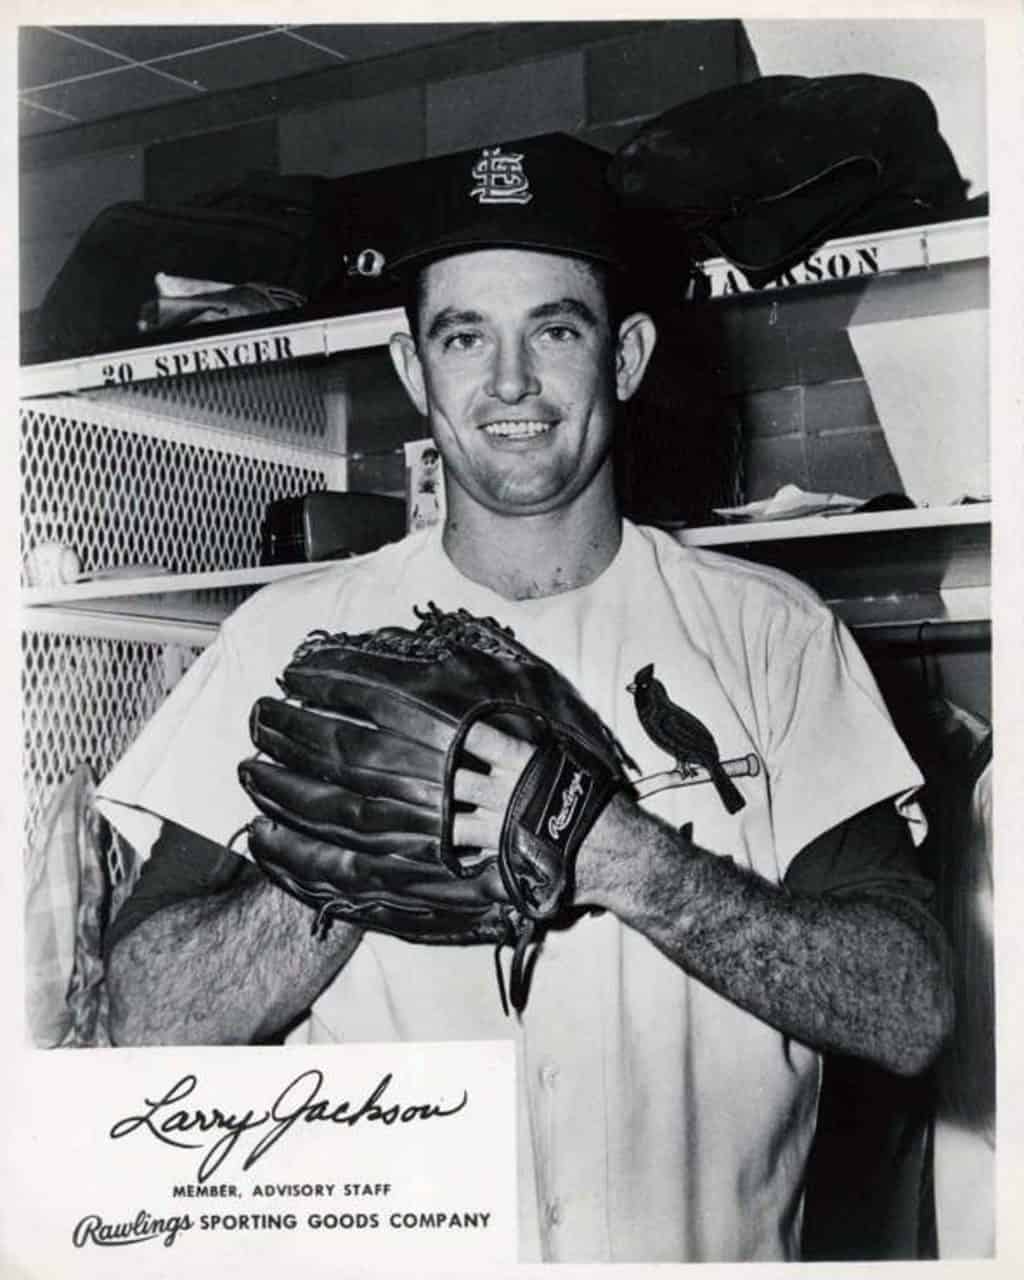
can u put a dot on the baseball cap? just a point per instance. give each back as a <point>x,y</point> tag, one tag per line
<point>548,192</point>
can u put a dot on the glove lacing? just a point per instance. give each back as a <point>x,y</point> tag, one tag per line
<point>517,989</point>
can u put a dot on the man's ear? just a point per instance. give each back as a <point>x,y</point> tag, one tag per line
<point>637,336</point>
<point>405,358</point>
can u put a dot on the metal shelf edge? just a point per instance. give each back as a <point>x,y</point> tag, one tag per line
<point>906,248</point>
<point>823,526</point>
<point>210,352</point>
<point>78,593</point>
<point>868,253</point>
<point>119,626</point>
<point>74,595</point>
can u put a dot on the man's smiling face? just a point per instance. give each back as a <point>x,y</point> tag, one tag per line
<point>515,368</point>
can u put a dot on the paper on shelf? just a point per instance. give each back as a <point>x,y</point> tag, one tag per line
<point>928,377</point>
<point>789,502</point>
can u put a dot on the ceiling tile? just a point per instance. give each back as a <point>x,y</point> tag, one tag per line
<point>142,43</point>
<point>256,61</point>
<point>132,89</point>
<point>45,57</point>
<point>358,41</point>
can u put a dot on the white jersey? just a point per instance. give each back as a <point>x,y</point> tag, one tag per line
<point>658,1122</point>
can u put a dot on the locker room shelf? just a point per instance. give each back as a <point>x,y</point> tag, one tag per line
<point>898,566</point>
<point>870,253</point>
<point>925,564</point>
<point>175,608</point>
<point>827,526</point>
<point>866,255</point>
<point>126,588</point>
<point>212,352</point>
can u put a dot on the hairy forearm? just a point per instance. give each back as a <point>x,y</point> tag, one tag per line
<point>229,968</point>
<point>865,976</point>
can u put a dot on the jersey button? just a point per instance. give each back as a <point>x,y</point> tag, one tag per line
<point>549,1074</point>
<point>554,1213</point>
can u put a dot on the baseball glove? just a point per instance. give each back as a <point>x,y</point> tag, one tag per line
<point>356,784</point>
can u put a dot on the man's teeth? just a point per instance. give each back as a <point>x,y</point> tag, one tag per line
<point>517,430</point>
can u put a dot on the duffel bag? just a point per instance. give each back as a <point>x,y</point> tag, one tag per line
<point>271,229</point>
<point>763,173</point>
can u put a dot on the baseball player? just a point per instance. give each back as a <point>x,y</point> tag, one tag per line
<point>728,891</point>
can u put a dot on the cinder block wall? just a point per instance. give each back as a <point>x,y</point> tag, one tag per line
<point>795,389</point>
<point>600,89</point>
<point>56,204</point>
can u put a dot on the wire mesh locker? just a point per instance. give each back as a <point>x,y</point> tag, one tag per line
<point>84,700</point>
<point>165,477</point>
<point>145,476</point>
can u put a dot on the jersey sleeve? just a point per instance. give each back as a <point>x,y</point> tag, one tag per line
<point>833,750</point>
<point>182,767</point>
<point>870,853</point>
<point>182,865</point>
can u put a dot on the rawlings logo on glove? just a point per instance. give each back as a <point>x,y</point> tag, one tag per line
<point>571,797</point>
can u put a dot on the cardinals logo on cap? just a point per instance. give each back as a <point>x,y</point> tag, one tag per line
<point>500,179</point>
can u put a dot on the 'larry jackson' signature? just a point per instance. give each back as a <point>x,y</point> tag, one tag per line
<point>300,1100</point>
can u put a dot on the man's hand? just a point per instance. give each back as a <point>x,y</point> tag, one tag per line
<point>377,810</point>
<point>490,793</point>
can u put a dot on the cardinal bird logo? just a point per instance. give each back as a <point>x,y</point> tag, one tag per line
<point>688,741</point>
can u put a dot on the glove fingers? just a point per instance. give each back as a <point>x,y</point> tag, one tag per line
<point>387,706</point>
<point>323,868</point>
<point>331,813</point>
<point>371,761</point>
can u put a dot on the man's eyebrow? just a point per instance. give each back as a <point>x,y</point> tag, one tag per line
<point>565,307</point>
<point>450,317</point>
